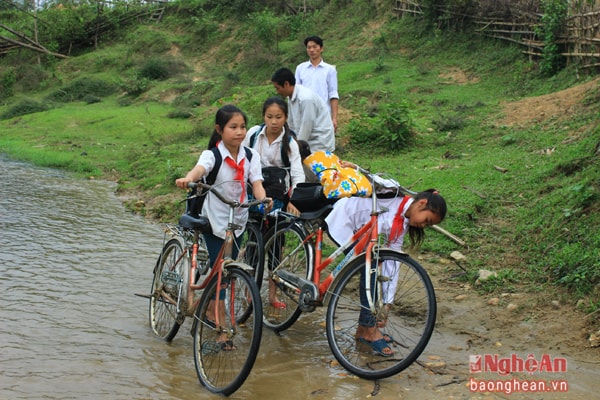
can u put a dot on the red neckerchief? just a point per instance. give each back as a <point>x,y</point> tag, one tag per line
<point>398,224</point>
<point>239,172</point>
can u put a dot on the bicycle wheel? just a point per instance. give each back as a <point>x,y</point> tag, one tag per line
<point>252,248</point>
<point>408,322</point>
<point>285,251</point>
<point>225,355</point>
<point>167,285</point>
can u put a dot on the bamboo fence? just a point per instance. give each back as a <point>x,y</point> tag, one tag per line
<point>579,42</point>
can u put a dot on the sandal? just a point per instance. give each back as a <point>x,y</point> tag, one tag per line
<point>388,338</point>
<point>378,346</point>
<point>279,305</point>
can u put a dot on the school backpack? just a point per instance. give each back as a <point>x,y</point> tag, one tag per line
<point>196,197</point>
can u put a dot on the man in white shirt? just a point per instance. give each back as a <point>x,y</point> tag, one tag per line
<point>319,76</point>
<point>308,115</point>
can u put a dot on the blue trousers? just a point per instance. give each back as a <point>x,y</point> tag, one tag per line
<point>213,245</point>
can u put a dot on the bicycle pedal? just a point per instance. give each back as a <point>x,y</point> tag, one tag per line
<point>171,278</point>
<point>202,254</point>
<point>382,278</point>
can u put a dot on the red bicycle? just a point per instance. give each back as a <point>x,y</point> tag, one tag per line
<point>395,289</point>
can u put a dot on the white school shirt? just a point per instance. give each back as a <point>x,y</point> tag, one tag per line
<point>270,154</point>
<point>350,213</point>
<point>217,211</point>
<point>322,79</point>
<point>309,118</point>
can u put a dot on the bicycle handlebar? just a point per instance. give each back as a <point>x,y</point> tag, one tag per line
<point>231,203</point>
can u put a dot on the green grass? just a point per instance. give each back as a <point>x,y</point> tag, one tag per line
<point>533,224</point>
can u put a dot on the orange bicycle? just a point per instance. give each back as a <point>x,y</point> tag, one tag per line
<point>396,288</point>
<point>227,331</point>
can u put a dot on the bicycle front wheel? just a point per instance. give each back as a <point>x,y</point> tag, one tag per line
<point>167,285</point>
<point>225,354</point>
<point>252,249</point>
<point>285,251</point>
<point>405,312</point>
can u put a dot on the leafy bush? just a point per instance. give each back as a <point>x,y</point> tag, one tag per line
<point>24,107</point>
<point>553,22</point>
<point>7,81</point>
<point>180,114</point>
<point>157,69</point>
<point>135,86</point>
<point>82,89</point>
<point>447,123</point>
<point>389,127</point>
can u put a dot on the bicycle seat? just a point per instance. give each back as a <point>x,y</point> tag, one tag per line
<point>199,223</point>
<point>320,213</point>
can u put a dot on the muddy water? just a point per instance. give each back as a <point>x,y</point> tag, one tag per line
<point>71,260</point>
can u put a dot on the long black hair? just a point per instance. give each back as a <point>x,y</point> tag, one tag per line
<point>224,114</point>
<point>435,204</point>
<point>283,105</point>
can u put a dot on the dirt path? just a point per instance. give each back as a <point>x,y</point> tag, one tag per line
<point>511,325</point>
<point>469,324</point>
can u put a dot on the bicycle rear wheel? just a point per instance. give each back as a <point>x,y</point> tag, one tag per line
<point>224,355</point>
<point>285,251</point>
<point>167,284</point>
<point>409,321</point>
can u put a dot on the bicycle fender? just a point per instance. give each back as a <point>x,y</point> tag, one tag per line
<point>238,264</point>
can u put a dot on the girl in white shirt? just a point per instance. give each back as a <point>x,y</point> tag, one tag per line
<point>235,170</point>
<point>407,215</point>
<point>274,140</point>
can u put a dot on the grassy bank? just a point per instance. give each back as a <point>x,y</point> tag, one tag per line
<point>522,192</point>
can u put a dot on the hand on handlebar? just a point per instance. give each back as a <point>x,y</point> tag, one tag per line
<point>182,183</point>
<point>268,204</point>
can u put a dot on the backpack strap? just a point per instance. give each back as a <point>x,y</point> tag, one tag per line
<point>212,175</point>
<point>248,153</point>
<point>255,135</point>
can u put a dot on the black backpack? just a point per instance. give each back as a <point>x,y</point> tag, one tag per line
<point>275,178</point>
<point>196,196</point>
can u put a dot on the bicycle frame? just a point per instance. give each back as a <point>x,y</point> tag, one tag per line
<point>363,241</point>
<point>223,258</point>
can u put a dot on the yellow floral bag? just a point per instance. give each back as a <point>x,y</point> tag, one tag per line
<point>337,182</point>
